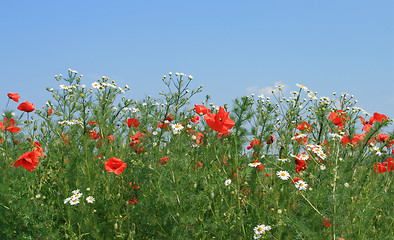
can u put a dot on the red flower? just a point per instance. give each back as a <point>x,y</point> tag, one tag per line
<point>260,167</point>
<point>338,118</point>
<point>115,165</point>
<point>28,160</point>
<point>270,139</point>
<point>9,124</point>
<point>14,96</point>
<point>379,117</point>
<point>367,125</point>
<point>169,118</point>
<point>195,119</point>
<point>26,107</point>
<point>383,137</point>
<point>111,138</point>
<point>94,135</point>
<point>50,111</point>
<point>254,143</point>
<point>357,138</point>
<point>13,129</point>
<point>381,167</point>
<point>163,160</point>
<point>201,109</point>
<point>303,125</point>
<point>326,224</point>
<point>93,123</point>
<point>132,122</point>
<point>219,122</point>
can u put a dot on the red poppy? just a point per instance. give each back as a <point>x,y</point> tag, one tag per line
<point>219,122</point>
<point>326,224</point>
<point>13,129</point>
<point>379,117</point>
<point>115,165</point>
<point>383,137</point>
<point>26,107</point>
<point>65,138</point>
<point>254,143</point>
<point>14,96</point>
<point>295,179</point>
<point>367,124</point>
<point>2,126</point>
<point>9,124</point>
<point>160,125</point>
<point>201,109</point>
<point>28,160</point>
<point>303,125</point>
<point>357,138</point>
<point>380,167</point>
<point>195,119</point>
<point>50,111</point>
<point>94,135</point>
<point>93,123</point>
<point>169,118</point>
<point>163,160</point>
<point>110,138</point>
<point>132,122</point>
<point>338,118</point>
<point>270,139</point>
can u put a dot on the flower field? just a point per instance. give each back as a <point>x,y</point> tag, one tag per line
<point>94,164</point>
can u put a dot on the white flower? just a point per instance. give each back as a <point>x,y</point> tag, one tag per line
<point>227,182</point>
<point>284,175</point>
<point>298,136</point>
<point>255,164</point>
<point>335,136</point>
<point>112,85</point>
<point>190,77</point>
<point>303,156</point>
<point>38,196</point>
<point>261,96</point>
<point>75,191</point>
<point>322,155</point>
<point>176,128</point>
<point>301,185</point>
<point>346,185</point>
<point>261,229</point>
<point>121,90</point>
<point>256,236</point>
<point>378,152</point>
<point>302,86</point>
<point>322,167</point>
<point>83,86</point>
<point>74,201</point>
<point>170,73</point>
<point>90,199</point>
<point>67,200</point>
<point>77,195</point>
<point>96,85</point>
<point>63,87</point>
<point>283,160</point>
<point>134,110</point>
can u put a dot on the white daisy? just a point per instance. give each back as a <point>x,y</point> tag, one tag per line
<point>284,175</point>
<point>227,182</point>
<point>96,85</point>
<point>76,196</point>
<point>260,229</point>
<point>75,191</point>
<point>63,87</point>
<point>301,185</point>
<point>302,86</point>
<point>90,199</point>
<point>322,167</point>
<point>256,236</point>
<point>176,128</point>
<point>74,201</point>
<point>283,160</point>
<point>67,200</point>
<point>255,164</point>
<point>121,90</point>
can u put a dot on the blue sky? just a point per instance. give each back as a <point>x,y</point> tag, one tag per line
<point>233,48</point>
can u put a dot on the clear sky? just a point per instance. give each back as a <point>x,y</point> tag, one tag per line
<point>233,48</point>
